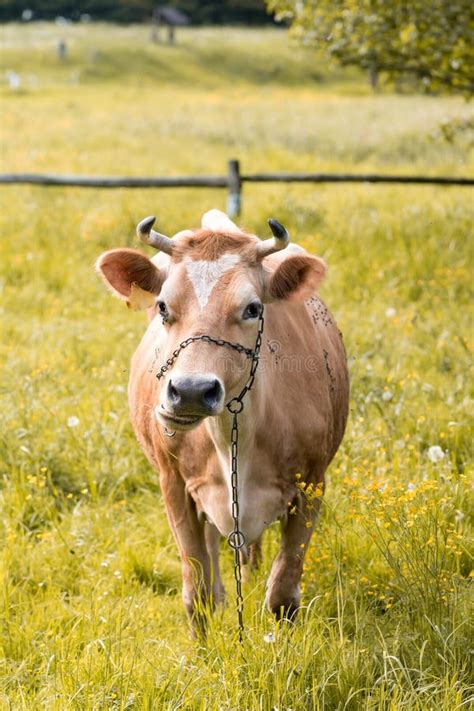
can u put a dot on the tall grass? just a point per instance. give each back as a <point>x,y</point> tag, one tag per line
<point>91,611</point>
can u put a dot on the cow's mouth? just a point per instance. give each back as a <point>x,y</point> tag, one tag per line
<point>177,422</point>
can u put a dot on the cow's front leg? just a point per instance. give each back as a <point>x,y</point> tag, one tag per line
<point>188,532</point>
<point>284,583</point>
<point>213,539</point>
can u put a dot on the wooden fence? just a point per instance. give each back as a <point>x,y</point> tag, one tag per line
<point>233,181</point>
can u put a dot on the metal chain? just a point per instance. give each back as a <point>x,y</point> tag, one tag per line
<point>209,339</point>
<point>236,538</point>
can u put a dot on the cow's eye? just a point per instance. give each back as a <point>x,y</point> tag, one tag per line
<point>163,310</point>
<point>252,310</point>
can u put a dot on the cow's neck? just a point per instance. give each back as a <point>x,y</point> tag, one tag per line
<point>220,429</point>
<point>253,517</point>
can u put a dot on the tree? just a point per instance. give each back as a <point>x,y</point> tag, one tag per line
<point>429,41</point>
<point>217,12</point>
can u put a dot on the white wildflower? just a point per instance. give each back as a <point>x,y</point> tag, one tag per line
<point>435,454</point>
<point>390,312</point>
<point>73,421</point>
<point>269,637</point>
<point>387,396</point>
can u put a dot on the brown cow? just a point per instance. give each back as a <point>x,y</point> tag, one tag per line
<point>215,281</point>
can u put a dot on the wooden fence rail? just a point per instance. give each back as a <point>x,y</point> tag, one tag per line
<point>77,181</point>
<point>232,181</point>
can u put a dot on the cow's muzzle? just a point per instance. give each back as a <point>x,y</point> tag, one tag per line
<point>188,399</point>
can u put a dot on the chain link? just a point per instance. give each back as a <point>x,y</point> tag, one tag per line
<point>236,538</point>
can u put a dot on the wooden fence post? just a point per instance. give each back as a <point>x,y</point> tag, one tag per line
<point>61,50</point>
<point>234,184</point>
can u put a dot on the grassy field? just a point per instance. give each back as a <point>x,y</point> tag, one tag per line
<point>91,613</point>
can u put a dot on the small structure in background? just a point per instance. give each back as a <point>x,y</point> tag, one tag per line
<point>169,17</point>
<point>13,79</point>
<point>61,50</point>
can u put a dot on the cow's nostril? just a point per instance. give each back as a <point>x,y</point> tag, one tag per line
<point>173,393</point>
<point>213,394</point>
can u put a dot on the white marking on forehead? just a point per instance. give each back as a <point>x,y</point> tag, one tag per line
<point>204,275</point>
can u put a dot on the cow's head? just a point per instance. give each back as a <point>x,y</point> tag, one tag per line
<point>212,281</point>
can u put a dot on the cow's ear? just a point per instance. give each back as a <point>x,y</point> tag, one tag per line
<point>131,276</point>
<point>295,278</point>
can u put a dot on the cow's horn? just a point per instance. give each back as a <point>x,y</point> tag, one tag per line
<point>154,239</point>
<point>280,240</point>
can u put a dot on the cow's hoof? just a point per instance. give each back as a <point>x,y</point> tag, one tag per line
<point>286,610</point>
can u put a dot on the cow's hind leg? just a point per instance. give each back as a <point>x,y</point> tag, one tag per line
<point>252,560</point>
<point>255,557</point>
<point>284,583</point>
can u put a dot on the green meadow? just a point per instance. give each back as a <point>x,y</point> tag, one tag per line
<point>91,615</point>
